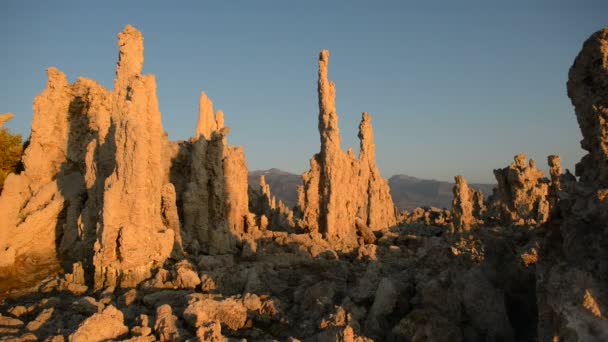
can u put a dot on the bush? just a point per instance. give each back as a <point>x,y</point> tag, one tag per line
<point>10,154</point>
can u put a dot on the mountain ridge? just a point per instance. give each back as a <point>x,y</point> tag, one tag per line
<point>408,192</point>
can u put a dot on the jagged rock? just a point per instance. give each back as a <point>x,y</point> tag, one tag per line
<point>479,206</point>
<point>462,205</point>
<point>165,326</point>
<point>235,185</point>
<point>186,277</point>
<point>555,170</point>
<point>10,325</point>
<point>171,217</point>
<point>340,187</point>
<point>210,331</point>
<point>215,199</point>
<point>40,320</point>
<point>101,326</point>
<point>522,193</point>
<point>427,216</point>
<point>366,234</point>
<point>207,124</point>
<point>229,312</point>
<point>272,214</point>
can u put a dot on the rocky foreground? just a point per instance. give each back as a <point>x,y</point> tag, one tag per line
<point>113,232</point>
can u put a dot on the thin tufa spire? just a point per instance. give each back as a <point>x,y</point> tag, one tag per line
<point>328,118</point>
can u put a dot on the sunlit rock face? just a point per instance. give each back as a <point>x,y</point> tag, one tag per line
<point>103,186</point>
<point>339,187</point>
<point>462,205</point>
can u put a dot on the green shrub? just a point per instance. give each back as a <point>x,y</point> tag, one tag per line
<point>10,154</point>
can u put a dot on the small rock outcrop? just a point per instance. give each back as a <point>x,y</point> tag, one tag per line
<point>462,205</point>
<point>339,187</point>
<point>555,170</point>
<point>522,193</point>
<point>479,205</point>
<point>103,326</point>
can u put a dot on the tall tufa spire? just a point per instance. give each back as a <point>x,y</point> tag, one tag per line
<point>328,118</point>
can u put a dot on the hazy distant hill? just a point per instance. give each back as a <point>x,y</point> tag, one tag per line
<point>407,192</point>
<point>411,192</point>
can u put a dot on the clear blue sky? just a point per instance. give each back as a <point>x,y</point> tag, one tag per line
<point>457,87</point>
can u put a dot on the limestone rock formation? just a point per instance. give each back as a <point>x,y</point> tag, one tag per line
<point>93,153</point>
<point>427,216</point>
<point>132,242</point>
<point>588,92</point>
<point>106,325</point>
<point>555,170</point>
<point>462,205</point>
<point>479,205</point>
<point>522,193</point>
<point>572,277</point>
<point>215,198</point>
<point>68,154</point>
<point>268,208</point>
<point>339,187</point>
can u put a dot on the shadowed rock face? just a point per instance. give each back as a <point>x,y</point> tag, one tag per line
<point>339,188</point>
<point>588,91</point>
<point>215,199</point>
<point>572,278</point>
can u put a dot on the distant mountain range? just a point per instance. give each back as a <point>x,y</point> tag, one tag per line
<point>407,192</point>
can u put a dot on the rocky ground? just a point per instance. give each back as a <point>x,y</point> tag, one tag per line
<point>415,282</point>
